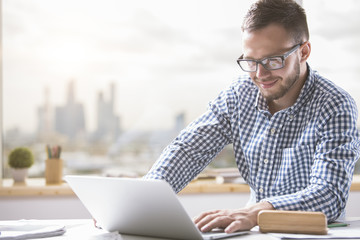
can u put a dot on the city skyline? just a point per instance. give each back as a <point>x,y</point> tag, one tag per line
<point>69,120</point>
<point>51,118</point>
<point>162,62</point>
<point>154,54</point>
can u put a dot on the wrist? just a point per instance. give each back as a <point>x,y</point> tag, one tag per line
<point>256,208</point>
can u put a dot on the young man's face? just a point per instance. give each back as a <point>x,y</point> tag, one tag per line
<point>273,40</point>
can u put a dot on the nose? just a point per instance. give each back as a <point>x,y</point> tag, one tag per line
<point>262,72</point>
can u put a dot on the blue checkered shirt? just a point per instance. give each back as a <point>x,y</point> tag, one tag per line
<point>300,158</point>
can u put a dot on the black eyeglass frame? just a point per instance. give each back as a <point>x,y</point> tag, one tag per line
<point>283,57</point>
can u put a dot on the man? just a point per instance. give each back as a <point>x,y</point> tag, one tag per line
<point>293,132</point>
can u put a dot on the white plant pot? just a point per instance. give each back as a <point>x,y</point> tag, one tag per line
<point>19,174</point>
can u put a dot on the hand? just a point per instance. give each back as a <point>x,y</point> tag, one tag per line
<point>231,220</point>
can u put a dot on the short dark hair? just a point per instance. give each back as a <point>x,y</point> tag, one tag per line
<point>286,13</point>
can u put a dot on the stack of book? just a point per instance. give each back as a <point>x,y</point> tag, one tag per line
<point>28,229</point>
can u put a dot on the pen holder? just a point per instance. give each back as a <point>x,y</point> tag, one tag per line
<point>53,170</point>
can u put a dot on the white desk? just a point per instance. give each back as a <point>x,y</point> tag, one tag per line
<point>84,229</point>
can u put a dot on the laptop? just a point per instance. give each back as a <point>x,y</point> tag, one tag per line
<point>138,207</point>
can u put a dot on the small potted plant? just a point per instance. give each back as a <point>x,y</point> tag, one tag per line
<point>20,160</point>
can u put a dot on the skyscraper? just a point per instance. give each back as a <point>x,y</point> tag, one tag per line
<point>69,118</point>
<point>108,123</point>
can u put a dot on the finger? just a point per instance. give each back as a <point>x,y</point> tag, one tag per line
<point>238,225</point>
<point>203,215</point>
<point>216,222</point>
<point>233,227</point>
<point>205,221</point>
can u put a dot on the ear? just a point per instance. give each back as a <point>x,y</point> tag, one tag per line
<point>305,50</point>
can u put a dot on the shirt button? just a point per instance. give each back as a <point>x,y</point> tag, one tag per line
<point>261,190</point>
<point>272,131</point>
<point>266,160</point>
<point>291,117</point>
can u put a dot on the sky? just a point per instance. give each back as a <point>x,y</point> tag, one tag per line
<point>165,57</point>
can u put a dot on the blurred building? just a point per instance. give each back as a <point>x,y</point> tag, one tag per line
<point>108,123</point>
<point>70,118</point>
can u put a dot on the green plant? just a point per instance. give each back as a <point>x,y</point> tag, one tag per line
<point>21,157</point>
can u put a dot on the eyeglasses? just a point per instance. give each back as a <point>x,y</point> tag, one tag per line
<point>269,63</point>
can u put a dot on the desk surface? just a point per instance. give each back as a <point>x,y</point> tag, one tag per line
<point>84,229</point>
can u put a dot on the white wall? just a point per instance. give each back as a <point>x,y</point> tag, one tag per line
<point>63,207</point>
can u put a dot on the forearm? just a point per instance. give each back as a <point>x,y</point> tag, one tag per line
<point>316,198</point>
<point>176,167</point>
<point>191,151</point>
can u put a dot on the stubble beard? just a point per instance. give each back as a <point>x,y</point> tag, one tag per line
<point>288,83</point>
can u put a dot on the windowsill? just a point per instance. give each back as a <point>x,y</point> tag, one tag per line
<point>33,187</point>
<point>37,187</point>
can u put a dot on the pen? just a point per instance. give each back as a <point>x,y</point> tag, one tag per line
<point>337,224</point>
<point>59,151</point>
<point>48,151</point>
<point>53,152</point>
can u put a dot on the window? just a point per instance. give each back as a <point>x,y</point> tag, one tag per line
<point>335,39</point>
<point>113,82</point>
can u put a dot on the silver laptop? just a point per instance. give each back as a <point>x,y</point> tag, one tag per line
<point>138,207</point>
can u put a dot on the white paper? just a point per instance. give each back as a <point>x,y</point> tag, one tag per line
<point>340,233</point>
<point>26,229</point>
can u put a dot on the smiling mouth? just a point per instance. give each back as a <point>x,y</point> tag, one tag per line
<point>267,84</point>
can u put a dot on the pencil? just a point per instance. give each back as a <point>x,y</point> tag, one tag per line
<point>337,224</point>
